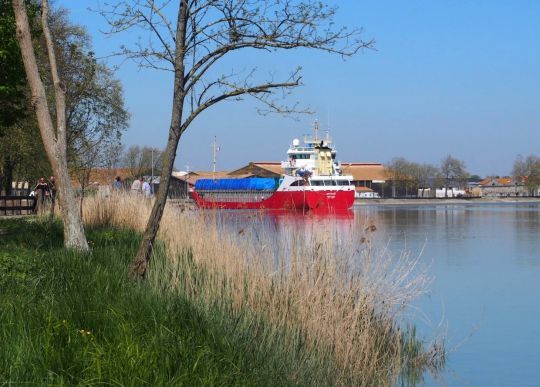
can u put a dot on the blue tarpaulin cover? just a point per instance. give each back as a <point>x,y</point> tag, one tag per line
<point>245,184</point>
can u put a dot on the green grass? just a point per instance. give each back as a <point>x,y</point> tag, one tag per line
<point>75,319</point>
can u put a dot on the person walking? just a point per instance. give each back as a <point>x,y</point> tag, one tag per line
<point>136,186</point>
<point>41,191</point>
<point>146,190</point>
<point>117,185</point>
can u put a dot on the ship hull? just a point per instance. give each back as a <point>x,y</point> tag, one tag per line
<point>291,200</point>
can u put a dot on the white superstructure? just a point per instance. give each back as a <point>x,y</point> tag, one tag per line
<point>315,160</point>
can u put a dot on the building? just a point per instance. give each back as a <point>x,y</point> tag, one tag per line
<point>368,175</point>
<point>441,193</point>
<point>502,187</point>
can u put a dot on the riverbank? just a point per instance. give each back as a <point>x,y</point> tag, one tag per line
<point>446,201</point>
<point>218,307</point>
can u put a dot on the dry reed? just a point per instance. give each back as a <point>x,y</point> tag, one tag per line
<point>341,295</point>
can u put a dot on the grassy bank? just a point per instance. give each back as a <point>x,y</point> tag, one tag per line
<point>69,319</point>
<point>224,304</point>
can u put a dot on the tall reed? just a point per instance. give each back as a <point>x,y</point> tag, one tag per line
<point>337,295</point>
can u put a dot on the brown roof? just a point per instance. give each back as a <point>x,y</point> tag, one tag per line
<point>501,181</point>
<point>264,169</point>
<point>364,171</point>
<point>270,166</point>
<point>104,176</point>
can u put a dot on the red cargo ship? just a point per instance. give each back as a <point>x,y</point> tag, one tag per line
<point>312,181</point>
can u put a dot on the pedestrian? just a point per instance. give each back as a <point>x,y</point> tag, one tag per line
<point>136,186</point>
<point>146,190</point>
<point>41,191</point>
<point>117,185</point>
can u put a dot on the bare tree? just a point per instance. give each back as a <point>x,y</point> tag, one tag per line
<point>424,175</point>
<point>142,161</point>
<point>403,175</point>
<point>195,47</point>
<point>453,171</point>
<point>53,136</point>
<point>527,170</point>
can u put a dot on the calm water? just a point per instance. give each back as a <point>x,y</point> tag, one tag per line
<point>484,261</point>
<point>485,265</point>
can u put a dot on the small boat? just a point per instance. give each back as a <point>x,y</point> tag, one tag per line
<point>312,180</point>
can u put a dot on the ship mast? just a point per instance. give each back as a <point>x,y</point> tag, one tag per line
<point>215,149</point>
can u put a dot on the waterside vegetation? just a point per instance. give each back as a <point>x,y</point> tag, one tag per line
<point>222,304</point>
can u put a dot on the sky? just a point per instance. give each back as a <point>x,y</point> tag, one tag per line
<point>446,77</point>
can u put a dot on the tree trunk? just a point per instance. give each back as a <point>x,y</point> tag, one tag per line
<point>139,265</point>
<point>55,144</point>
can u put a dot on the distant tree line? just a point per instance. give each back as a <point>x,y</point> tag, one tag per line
<point>406,178</point>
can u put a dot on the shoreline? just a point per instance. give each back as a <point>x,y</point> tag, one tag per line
<point>446,201</point>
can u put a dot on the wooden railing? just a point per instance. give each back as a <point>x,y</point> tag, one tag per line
<point>17,205</point>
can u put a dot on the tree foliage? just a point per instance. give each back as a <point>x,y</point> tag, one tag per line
<point>13,91</point>
<point>95,112</point>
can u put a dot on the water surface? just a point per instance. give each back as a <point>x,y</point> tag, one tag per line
<point>485,265</point>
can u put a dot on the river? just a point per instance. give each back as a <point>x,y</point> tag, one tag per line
<point>484,261</point>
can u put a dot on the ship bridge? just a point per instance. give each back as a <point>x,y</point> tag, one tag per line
<point>315,157</point>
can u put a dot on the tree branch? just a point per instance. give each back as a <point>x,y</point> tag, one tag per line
<point>265,88</point>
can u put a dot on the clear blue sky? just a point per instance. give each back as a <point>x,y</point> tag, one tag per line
<point>448,77</point>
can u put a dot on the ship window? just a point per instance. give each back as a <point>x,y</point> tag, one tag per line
<point>297,183</point>
<point>317,182</point>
